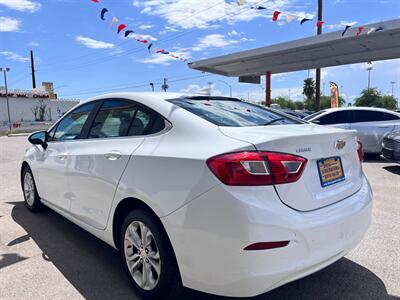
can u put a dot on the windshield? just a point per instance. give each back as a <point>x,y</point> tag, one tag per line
<point>232,112</point>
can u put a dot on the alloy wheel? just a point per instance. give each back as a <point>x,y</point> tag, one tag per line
<point>142,255</point>
<point>29,188</point>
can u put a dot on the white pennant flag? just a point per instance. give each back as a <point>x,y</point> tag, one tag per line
<point>371,30</point>
<point>290,18</point>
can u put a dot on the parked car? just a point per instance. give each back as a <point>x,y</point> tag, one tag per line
<point>372,124</point>
<point>209,193</point>
<point>295,114</point>
<point>391,147</point>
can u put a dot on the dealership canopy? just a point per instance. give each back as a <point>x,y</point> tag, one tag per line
<point>327,50</point>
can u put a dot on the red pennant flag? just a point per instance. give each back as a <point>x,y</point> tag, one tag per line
<point>360,30</point>
<point>95,1</point>
<point>160,51</point>
<point>143,41</point>
<point>320,23</point>
<point>276,16</point>
<point>121,27</point>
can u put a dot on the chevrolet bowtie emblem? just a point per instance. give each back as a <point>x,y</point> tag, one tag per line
<point>340,144</point>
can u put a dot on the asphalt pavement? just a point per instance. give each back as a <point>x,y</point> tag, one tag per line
<point>44,256</point>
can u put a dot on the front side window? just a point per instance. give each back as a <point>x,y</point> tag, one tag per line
<point>232,112</point>
<point>337,117</point>
<point>113,119</point>
<point>70,127</point>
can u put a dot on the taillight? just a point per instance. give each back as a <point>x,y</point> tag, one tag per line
<point>257,168</point>
<point>360,151</point>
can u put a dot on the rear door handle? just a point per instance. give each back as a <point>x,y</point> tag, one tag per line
<point>63,156</point>
<point>113,155</point>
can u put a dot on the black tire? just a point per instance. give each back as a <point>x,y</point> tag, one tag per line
<point>33,204</point>
<point>169,285</point>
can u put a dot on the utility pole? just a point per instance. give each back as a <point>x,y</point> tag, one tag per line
<point>33,71</point>
<point>393,83</point>
<point>165,86</point>
<point>152,86</point>
<point>318,71</point>
<point>209,88</point>
<point>369,69</point>
<point>230,87</point>
<point>5,70</point>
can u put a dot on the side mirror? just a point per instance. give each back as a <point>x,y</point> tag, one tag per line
<point>39,138</point>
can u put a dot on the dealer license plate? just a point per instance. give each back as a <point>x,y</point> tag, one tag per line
<point>330,171</point>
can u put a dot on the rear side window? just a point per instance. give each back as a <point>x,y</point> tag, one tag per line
<point>360,116</point>
<point>113,119</point>
<point>146,122</point>
<point>70,127</point>
<point>232,112</point>
<point>338,117</point>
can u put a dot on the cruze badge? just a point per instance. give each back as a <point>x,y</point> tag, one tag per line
<point>340,144</point>
<point>305,149</point>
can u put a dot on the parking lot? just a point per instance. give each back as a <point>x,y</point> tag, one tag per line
<point>44,256</point>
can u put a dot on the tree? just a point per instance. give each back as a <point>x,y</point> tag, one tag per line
<point>39,111</point>
<point>374,98</point>
<point>309,92</point>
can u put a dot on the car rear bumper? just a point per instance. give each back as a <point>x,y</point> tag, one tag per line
<point>209,234</point>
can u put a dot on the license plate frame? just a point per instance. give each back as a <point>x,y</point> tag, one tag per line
<point>332,162</point>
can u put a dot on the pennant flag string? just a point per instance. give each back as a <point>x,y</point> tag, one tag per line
<point>289,18</point>
<point>275,16</point>
<point>345,30</point>
<point>120,28</point>
<point>103,12</point>
<point>128,32</point>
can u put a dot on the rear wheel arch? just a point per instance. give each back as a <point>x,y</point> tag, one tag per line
<point>123,208</point>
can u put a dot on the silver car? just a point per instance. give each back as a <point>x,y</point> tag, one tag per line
<point>372,124</point>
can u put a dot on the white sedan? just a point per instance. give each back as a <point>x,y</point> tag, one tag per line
<point>209,193</point>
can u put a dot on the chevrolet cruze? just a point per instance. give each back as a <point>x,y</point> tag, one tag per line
<point>210,193</point>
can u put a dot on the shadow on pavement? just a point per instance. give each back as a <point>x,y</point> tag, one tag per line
<point>393,169</point>
<point>95,269</point>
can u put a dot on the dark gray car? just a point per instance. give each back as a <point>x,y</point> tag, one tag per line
<point>391,147</point>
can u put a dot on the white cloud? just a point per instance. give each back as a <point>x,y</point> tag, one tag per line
<point>203,90</point>
<point>8,24</point>
<point>341,24</point>
<point>21,5</point>
<point>145,26</point>
<point>14,56</point>
<point>34,44</point>
<point>233,33</point>
<point>200,14</point>
<point>213,41</point>
<point>94,44</point>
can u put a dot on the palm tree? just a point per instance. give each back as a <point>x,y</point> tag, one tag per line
<point>309,92</point>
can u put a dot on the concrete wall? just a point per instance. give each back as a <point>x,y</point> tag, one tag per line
<point>21,108</point>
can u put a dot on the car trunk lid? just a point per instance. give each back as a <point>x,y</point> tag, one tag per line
<point>314,143</point>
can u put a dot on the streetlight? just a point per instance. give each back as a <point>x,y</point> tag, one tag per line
<point>393,83</point>
<point>369,69</point>
<point>5,70</point>
<point>230,87</point>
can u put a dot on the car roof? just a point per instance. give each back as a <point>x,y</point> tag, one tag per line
<point>359,108</point>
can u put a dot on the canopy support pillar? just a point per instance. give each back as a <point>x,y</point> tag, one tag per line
<point>268,89</point>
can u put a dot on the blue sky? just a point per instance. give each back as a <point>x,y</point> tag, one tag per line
<point>84,56</point>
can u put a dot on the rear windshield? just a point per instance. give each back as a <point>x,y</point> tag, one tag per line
<point>316,114</point>
<point>232,112</point>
